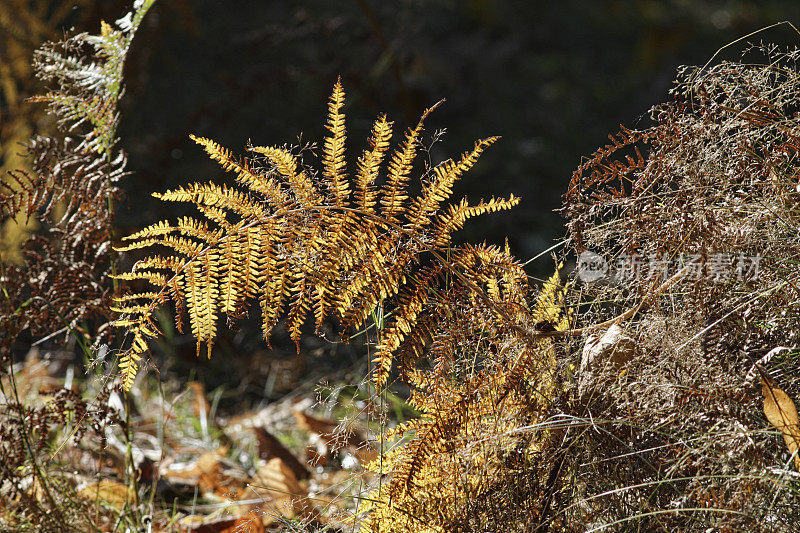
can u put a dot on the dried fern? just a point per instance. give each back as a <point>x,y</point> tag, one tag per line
<point>477,459</point>
<point>333,247</point>
<point>24,25</point>
<point>66,271</point>
<point>459,321</point>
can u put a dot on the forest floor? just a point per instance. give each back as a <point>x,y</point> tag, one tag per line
<point>232,458</point>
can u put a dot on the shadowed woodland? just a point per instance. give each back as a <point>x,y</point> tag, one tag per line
<point>211,321</point>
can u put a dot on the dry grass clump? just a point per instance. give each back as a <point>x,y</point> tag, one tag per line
<point>697,221</point>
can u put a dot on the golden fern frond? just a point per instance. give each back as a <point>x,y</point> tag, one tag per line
<point>489,277</point>
<point>274,295</point>
<point>410,304</point>
<point>136,296</point>
<point>234,275</point>
<point>212,195</point>
<point>550,304</point>
<point>482,397</point>
<point>201,290</point>
<point>413,347</point>
<point>154,278</point>
<point>369,164</point>
<point>440,188</point>
<point>154,230</point>
<point>292,241</point>
<point>333,163</point>
<point>174,265</point>
<point>286,164</point>
<point>394,190</point>
<point>375,279</point>
<point>244,175</point>
<point>455,216</point>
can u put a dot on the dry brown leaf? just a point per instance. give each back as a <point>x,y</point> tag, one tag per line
<point>107,491</point>
<point>201,524</point>
<point>332,437</point>
<point>249,523</point>
<point>610,350</point>
<point>313,424</point>
<point>220,476</point>
<point>782,413</point>
<point>33,377</point>
<point>277,477</point>
<point>277,484</point>
<point>269,447</point>
<point>213,473</point>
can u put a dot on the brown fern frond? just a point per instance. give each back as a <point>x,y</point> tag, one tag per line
<point>65,271</point>
<point>23,27</point>
<point>712,186</point>
<point>15,195</point>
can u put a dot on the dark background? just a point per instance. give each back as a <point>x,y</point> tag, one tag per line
<point>552,78</point>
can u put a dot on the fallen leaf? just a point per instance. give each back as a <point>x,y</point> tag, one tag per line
<point>212,473</point>
<point>199,524</point>
<point>220,476</point>
<point>277,485</point>
<point>331,436</point>
<point>277,477</point>
<point>782,413</point>
<point>228,524</point>
<point>313,424</point>
<point>269,447</point>
<point>249,523</point>
<point>33,376</point>
<point>107,491</point>
<point>611,350</point>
